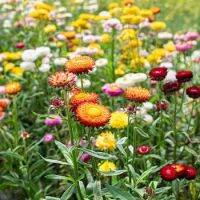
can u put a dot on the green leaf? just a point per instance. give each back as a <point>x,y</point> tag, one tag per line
<point>114,173</point>
<point>57,177</point>
<point>100,155</point>
<point>11,154</point>
<point>68,193</point>
<point>65,151</point>
<point>191,151</point>
<point>51,198</point>
<point>97,191</point>
<point>119,193</point>
<point>54,161</point>
<point>145,174</point>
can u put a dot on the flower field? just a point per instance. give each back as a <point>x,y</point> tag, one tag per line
<point>99,100</point>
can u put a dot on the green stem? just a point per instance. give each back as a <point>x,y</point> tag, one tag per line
<point>174,127</point>
<point>113,55</point>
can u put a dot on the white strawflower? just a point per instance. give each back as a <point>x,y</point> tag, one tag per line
<point>28,66</point>
<point>44,68</point>
<point>166,64</point>
<point>171,76</point>
<point>43,51</point>
<point>165,35</point>
<point>60,61</point>
<point>101,62</point>
<point>148,106</point>
<point>86,83</point>
<point>148,118</point>
<point>111,24</point>
<point>29,55</point>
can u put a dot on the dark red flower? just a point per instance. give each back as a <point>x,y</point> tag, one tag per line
<point>57,102</point>
<point>85,157</point>
<point>191,173</point>
<point>168,173</point>
<point>193,92</point>
<point>171,87</point>
<point>20,45</point>
<point>158,73</point>
<point>143,149</point>
<point>184,76</point>
<point>180,169</point>
<point>162,105</point>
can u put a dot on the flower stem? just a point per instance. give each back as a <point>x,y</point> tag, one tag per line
<point>113,55</point>
<point>174,127</point>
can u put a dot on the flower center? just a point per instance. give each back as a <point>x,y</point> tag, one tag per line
<point>94,112</point>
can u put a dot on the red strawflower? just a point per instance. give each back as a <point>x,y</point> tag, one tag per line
<point>20,45</point>
<point>158,73</point>
<point>184,76</point>
<point>168,173</point>
<point>143,149</point>
<point>180,169</point>
<point>171,87</point>
<point>193,92</point>
<point>191,173</point>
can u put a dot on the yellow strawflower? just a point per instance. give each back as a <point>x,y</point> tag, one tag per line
<point>107,166</point>
<point>119,120</point>
<point>158,26</point>
<point>51,28</point>
<point>106,141</point>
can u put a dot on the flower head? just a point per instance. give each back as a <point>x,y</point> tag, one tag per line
<point>53,120</point>
<point>83,97</point>
<point>4,103</point>
<point>184,76</point>
<point>106,141</point>
<point>171,87</point>
<point>112,24</point>
<point>158,73</point>
<point>118,120</point>
<point>25,135</point>
<point>85,157</point>
<point>158,26</point>
<point>143,149</point>
<point>168,173</point>
<point>191,173</point>
<point>48,138</point>
<point>57,102</point>
<point>137,94</point>
<point>107,166</point>
<point>80,64</point>
<point>62,80</point>
<point>13,88</point>
<point>112,90</point>
<point>92,114</point>
<point>193,92</point>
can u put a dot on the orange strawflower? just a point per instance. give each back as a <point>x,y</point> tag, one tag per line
<point>137,94</point>
<point>13,88</point>
<point>92,114</point>
<point>80,64</point>
<point>83,97</point>
<point>4,104</point>
<point>62,80</point>
<point>155,10</point>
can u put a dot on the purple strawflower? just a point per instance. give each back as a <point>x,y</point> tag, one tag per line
<point>53,120</point>
<point>85,157</point>
<point>48,138</point>
<point>183,47</point>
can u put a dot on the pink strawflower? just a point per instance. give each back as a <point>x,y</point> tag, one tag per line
<point>191,36</point>
<point>48,138</point>
<point>112,24</point>
<point>183,47</point>
<point>54,120</point>
<point>112,90</point>
<point>2,90</point>
<point>85,157</point>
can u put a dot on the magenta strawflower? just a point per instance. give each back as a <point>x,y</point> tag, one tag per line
<point>48,138</point>
<point>53,120</point>
<point>112,90</point>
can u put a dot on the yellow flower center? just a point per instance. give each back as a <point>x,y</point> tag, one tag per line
<point>94,112</point>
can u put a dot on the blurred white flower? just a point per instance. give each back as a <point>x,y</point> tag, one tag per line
<point>165,35</point>
<point>101,62</point>
<point>60,61</point>
<point>44,68</point>
<point>148,106</point>
<point>148,118</point>
<point>43,51</point>
<point>166,64</point>
<point>29,55</point>
<point>28,66</point>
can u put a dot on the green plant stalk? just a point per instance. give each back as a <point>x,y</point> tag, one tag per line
<point>113,55</point>
<point>66,100</point>
<point>174,127</point>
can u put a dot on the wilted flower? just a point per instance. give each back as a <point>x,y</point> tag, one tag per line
<point>25,135</point>
<point>162,105</point>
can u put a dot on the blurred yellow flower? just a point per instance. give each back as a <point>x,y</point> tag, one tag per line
<point>51,28</point>
<point>105,38</point>
<point>107,166</point>
<point>12,55</point>
<point>170,47</point>
<point>18,71</point>
<point>158,26</point>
